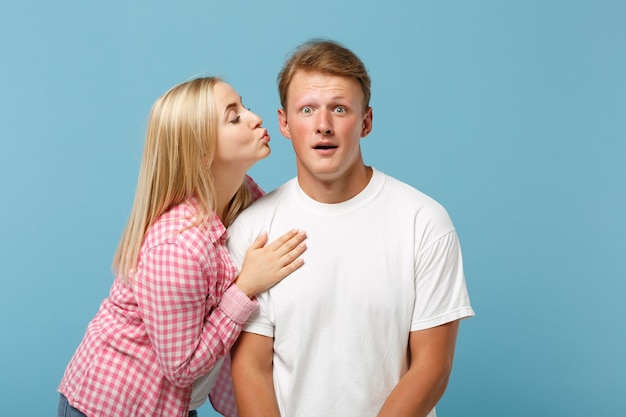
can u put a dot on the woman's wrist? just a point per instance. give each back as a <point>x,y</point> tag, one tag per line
<point>245,288</point>
<point>237,305</point>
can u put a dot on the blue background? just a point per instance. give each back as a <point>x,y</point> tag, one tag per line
<point>511,114</point>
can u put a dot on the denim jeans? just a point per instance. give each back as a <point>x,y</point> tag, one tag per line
<point>66,410</point>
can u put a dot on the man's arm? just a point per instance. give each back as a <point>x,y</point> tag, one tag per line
<point>432,353</point>
<point>252,376</point>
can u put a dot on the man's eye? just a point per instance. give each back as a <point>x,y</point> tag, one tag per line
<point>340,109</point>
<point>307,110</point>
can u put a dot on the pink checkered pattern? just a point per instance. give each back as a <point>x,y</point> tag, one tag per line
<point>223,394</point>
<point>256,191</point>
<point>149,342</point>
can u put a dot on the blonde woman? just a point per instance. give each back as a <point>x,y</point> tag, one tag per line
<point>177,303</point>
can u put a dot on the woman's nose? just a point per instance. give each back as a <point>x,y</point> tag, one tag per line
<point>255,119</point>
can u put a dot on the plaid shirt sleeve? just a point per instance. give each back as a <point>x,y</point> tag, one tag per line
<point>188,336</point>
<point>222,395</point>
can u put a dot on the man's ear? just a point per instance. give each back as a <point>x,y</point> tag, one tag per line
<point>367,122</point>
<point>282,123</point>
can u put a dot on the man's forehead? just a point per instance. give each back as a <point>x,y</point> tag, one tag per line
<point>312,82</point>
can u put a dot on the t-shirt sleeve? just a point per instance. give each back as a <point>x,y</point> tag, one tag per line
<point>260,321</point>
<point>441,292</point>
<point>239,241</point>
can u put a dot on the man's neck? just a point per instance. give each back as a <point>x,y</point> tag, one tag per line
<point>338,190</point>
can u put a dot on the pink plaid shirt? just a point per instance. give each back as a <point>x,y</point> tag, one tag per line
<point>149,342</point>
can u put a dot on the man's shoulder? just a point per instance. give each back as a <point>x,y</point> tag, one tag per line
<point>273,196</point>
<point>396,188</point>
<point>266,203</point>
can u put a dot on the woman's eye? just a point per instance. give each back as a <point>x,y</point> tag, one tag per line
<point>236,119</point>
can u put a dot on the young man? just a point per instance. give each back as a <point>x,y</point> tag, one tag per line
<point>368,326</point>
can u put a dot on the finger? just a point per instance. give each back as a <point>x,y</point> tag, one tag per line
<point>291,267</point>
<point>260,241</point>
<point>292,243</point>
<point>291,255</point>
<point>283,239</point>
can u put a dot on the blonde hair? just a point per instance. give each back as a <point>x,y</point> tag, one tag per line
<point>179,148</point>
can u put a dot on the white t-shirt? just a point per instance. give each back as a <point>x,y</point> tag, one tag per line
<point>203,386</point>
<point>378,266</point>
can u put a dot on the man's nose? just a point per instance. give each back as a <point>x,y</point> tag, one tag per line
<point>324,126</point>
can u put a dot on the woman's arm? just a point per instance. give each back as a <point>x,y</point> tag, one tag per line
<point>171,292</point>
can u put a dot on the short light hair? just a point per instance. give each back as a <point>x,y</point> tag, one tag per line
<point>179,149</point>
<point>328,57</point>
